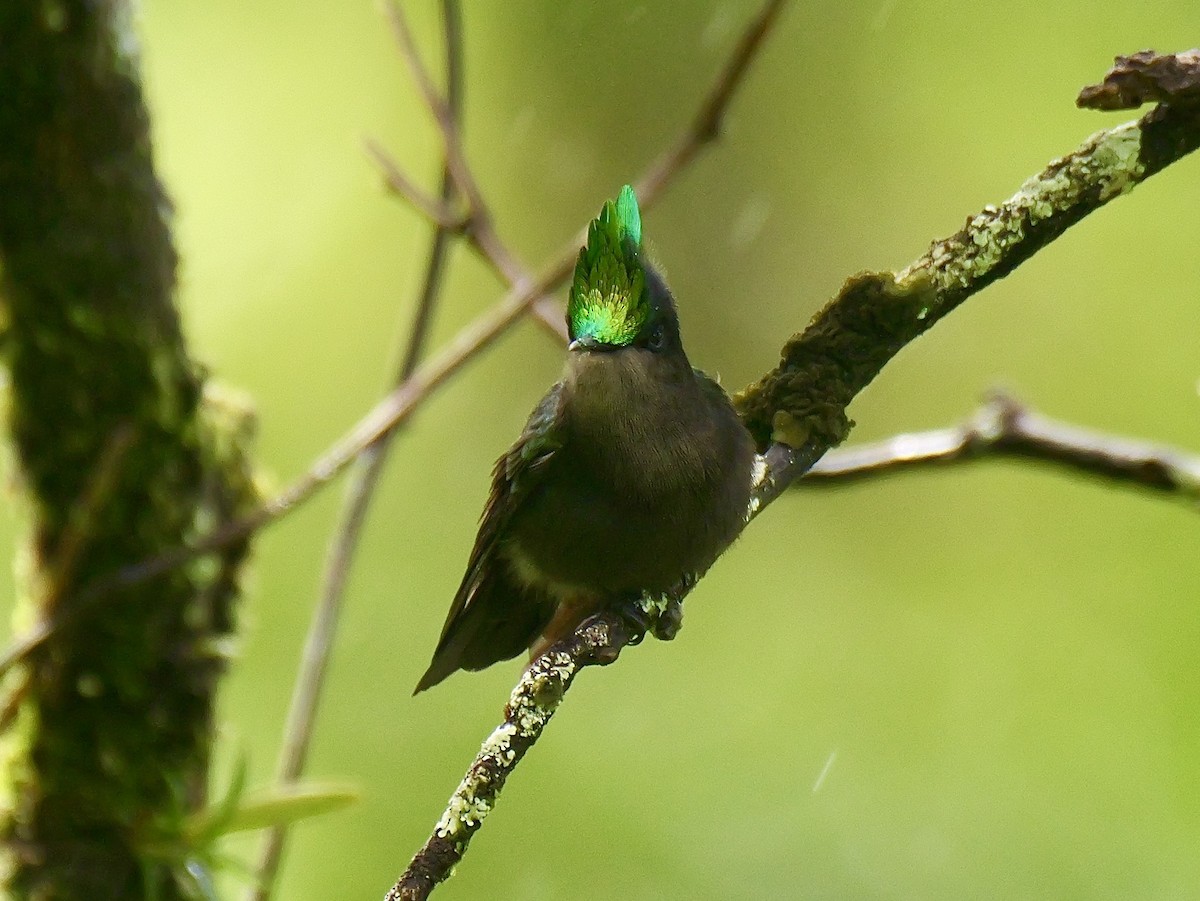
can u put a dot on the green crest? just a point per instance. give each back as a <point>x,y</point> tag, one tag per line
<point>608,300</point>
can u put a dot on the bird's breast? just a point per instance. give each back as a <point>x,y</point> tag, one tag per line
<point>650,484</point>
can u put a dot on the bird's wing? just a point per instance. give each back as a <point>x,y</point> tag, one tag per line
<point>516,474</point>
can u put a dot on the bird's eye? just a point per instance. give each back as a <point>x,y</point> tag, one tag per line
<point>657,337</point>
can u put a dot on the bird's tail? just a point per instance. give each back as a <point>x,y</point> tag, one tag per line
<point>497,621</point>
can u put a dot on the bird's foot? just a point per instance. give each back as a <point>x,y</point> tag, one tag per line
<point>636,619</point>
<point>670,617</point>
<point>670,620</point>
<point>663,620</point>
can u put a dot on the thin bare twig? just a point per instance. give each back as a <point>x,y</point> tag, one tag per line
<point>394,410</point>
<point>482,237</point>
<point>1004,427</point>
<point>797,413</point>
<point>364,478</point>
<point>476,225</point>
<point>484,240</point>
<point>445,118</point>
<point>437,210</point>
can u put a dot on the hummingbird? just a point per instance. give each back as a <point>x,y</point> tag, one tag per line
<point>631,476</point>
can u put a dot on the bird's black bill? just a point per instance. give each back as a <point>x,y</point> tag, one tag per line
<point>587,342</point>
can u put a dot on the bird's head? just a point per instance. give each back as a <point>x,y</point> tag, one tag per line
<point>617,300</point>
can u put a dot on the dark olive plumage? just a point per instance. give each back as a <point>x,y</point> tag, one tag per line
<point>632,473</point>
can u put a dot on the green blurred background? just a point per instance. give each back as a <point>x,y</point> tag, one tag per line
<point>993,667</point>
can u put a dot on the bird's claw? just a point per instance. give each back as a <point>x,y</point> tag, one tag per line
<point>670,621</point>
<point>664,625</point>
<point>636,619</point>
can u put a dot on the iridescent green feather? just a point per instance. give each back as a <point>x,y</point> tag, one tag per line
<point>629,218</point>
<point>608,300</point>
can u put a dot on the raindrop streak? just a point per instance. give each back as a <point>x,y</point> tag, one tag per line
<point>750,222</point>
<point>520,125</point>
<point>724,20</point>
<point>824,772</point>
<point>884,15</point>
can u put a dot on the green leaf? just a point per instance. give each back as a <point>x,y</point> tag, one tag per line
<point>280,807</point>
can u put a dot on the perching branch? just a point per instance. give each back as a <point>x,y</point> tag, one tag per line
<point>797,411</point>
<point>800,406</point>
<point>1004,428</point>
<point>532,703</point>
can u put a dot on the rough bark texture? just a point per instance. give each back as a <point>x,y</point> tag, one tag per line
<point>109,724</point>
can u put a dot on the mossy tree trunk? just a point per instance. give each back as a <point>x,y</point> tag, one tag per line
<point>119,458</point>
